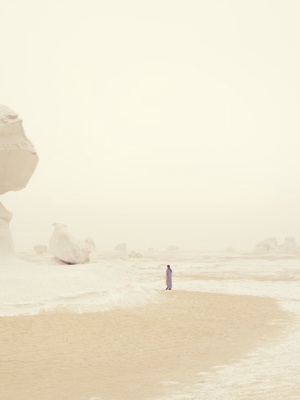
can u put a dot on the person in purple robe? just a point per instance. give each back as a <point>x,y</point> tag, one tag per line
<point>169,278</point>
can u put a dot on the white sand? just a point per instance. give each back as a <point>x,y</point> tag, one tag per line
<point>128,353</point>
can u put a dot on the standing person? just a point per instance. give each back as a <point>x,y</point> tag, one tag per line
<point>169,278</point>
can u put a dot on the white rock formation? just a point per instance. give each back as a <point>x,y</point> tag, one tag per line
<point>40,249</point>
<point>6,242</point>
<point>173,249</point>
<point>68,249</point>
<point>90,244</point>
<point>289,247</point>
<point>121,248</point>
<point>270,246</point>
<point>266,246</point>
<point>134,254</point>
<point>18,160</point>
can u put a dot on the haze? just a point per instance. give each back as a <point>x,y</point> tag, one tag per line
<point>156,123</point>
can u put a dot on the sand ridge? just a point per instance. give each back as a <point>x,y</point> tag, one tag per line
<point>127,353</point>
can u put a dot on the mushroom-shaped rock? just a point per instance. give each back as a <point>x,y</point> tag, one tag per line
<point>18,158</point>
<point>67,248</point>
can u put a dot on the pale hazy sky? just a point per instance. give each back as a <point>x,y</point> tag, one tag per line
<point>156,122</point>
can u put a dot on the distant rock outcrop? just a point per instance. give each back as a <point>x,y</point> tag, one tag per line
<point>266,246</point>
<point>270,246</point>
<point>230,251</point>
<point>68,249</point>
<point>150,251</point>
<point>289,246</point>
<point>173,249</point>
<point>134,254</point>
<point>40,249</point>
<point>121,248</point>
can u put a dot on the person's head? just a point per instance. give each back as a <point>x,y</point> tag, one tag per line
<point>168,266</point>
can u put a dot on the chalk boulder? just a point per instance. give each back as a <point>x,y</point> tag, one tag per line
<point>67,248</point>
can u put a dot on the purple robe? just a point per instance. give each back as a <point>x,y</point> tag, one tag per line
<point>169,278</point>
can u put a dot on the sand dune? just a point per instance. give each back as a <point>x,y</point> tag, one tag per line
<point>128,354</point>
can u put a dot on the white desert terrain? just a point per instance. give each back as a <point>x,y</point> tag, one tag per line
<point>108,330</point>
<point>153,127</point>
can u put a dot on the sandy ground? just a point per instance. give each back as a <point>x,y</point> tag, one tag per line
<point>230,278</point>
<point>129,354</point>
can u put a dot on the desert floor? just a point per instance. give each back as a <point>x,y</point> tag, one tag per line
<point>142,352</point>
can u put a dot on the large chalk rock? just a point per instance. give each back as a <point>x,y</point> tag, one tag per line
<point>67,248</point>
<point>289,247</point>
<point>6,242</point>
<point>266,246</point>
<point>18,158</point>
